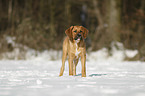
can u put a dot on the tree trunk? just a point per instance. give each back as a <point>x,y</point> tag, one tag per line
<point>10,12</point>
<point>99,18</point>
<point>141,28</point>
<point>141,21</point>
<point>52,26</point>
<point>68,12</point>
<point>97,12</point>
<point>114,19</point>
<point>98,32</point>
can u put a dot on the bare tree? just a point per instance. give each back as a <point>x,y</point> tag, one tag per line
<point>68,12</point>
<point>52,24</point>
<point>10,11</point>
<point>114,19</point>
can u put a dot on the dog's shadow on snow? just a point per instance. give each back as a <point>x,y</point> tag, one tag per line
<point>92,75</point>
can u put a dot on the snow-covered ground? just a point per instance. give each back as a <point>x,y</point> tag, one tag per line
<point>107,73</point>
<point>40,78</point>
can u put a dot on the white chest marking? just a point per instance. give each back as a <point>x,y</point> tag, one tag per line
<point>77,52</point>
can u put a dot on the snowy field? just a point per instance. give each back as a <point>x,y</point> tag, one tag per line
<point>107,73</point>
<point>40,78</point>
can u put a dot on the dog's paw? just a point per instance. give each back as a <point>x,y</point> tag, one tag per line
<point>60,75</point>
<point>83,75</point>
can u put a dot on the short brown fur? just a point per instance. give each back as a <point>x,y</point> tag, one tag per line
<point>75,48</point>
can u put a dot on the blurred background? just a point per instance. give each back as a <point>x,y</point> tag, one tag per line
<point>40,25</point>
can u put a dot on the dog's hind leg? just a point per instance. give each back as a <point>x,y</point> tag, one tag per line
<point>64,56</point>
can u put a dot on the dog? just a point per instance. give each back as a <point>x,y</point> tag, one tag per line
<point>74,46</point>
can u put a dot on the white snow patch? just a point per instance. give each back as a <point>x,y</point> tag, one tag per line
<point>44,55</point>
<point>109,91</point>
<point>117,52</point>
<point>131,53</point>
<point>38,82</point>
<point>10,40</point>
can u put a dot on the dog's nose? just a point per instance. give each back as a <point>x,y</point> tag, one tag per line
<point>79,35</point>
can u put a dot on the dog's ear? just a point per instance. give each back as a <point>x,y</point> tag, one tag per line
<point>68,32</point>
<point>85,32</point>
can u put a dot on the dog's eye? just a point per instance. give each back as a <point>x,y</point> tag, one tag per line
<point>75,31</point>
<point>80,30</point>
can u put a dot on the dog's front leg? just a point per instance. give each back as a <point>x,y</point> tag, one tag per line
<point>74,66</point>
<point>70,61</point>
<point>83,62</point>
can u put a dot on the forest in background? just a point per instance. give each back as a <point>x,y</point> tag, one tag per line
<point>40,24</point>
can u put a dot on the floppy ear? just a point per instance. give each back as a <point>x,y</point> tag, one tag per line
<point>68,32</point>
<point>85,32</point>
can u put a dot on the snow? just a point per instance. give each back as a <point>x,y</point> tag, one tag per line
<point>40,78</point>
<point>107,74</point>
<point>131,53</point>
<point>10,40</point>
<point>117,53</point>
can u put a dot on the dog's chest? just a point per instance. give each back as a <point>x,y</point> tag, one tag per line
<point>77,51</point>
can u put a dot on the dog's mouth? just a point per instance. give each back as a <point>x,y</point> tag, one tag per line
<point>78,37</point>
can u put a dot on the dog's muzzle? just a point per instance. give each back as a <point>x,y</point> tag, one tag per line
<point>78,37</point>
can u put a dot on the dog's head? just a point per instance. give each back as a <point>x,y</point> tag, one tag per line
<point>77,33</point>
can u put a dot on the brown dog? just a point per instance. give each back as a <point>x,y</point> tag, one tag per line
<point>74,46</point>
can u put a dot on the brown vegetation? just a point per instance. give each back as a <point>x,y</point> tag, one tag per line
<point>38,23</point>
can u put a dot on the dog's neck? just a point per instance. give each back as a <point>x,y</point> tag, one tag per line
<point>77,52</point>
